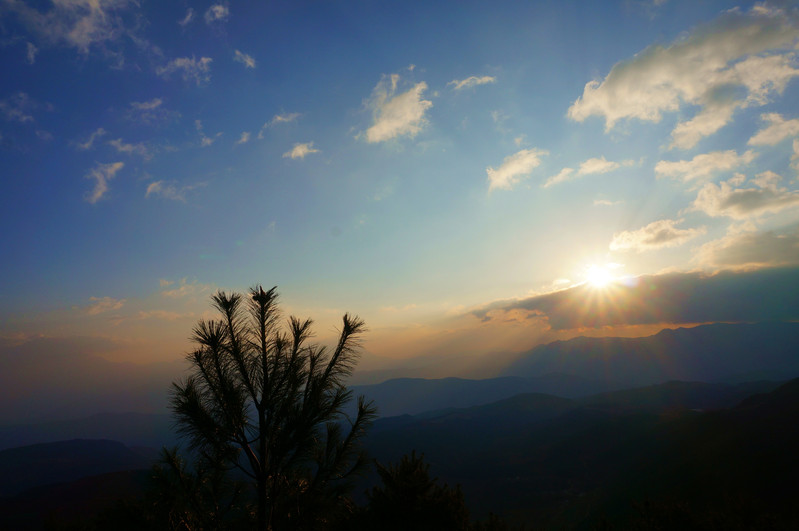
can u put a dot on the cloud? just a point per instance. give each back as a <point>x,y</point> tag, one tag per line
<point>104,304</point>
<point>188,18</point>
<point>562,176</point>
<point>778,130</point>
<point>704,166</point>
<point>277,119</point>
<point>186,289</point>
<point>656,235</point>
<point>739,60</point>
<point>471,81</point>
<point>396,114</point>
<point>80,24</point>
<point>675,298</point>
<point>102,173</point>
<point>168,190</point>
<point>596,165</point>
<point>217,12</point>
<point>795,155</point>
<point>727,199</point>
<point>514,168</point>
<point>18,108</point>
<point>31,52</point>
<point>131,149</point>
<point>244,138</point>
<point>152,112</point>
<point>749,249</point>
<point>606,202</point>
<point>197,70</point>
<point>205,141</point>
<point>299,151</point>
<point>85,146</point>
<point>243,58</point>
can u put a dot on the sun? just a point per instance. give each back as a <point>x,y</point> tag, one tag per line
<point>598,276</point>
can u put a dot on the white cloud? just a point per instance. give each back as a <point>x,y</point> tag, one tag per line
<point>471,81</point>
<point>745,248</point>
<point>763,196</point>
<point>244,138</point>
<point>188,18</point>
<point>396,114</point>
<point>299,151</point>
<point>704,165</point>
<point>31,52</point>
<point>597,165</point>
<point>102,173</point>
<point>778,130</point>
<point>245,59</point>
<point>217,12</point>
<point>76,23</point>
<point>104,304</point>
<point>709,120</point>
<point>752,52</point>
<point>169,190</point>
<point>514,168</point>
<point>563,175</point>
<point>85,146</point>
<point>656,235</point>
<point>606,202</point>
<point>131,149</point>
<point>197,70</point>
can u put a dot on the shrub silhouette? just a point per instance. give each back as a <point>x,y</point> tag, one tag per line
<point>263,412</point>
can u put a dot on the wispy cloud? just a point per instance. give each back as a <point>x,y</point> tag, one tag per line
<point>395,114</point>
<point>205,140</point>
<point>188,18</point>
<point>762,196</point>
<point>299,151</point>
<point>102,173</point>
<point>131,149</point>
<point>471,81</point>
<point>597,165</point>
<point>186,288</point>
<point>80,24</point>
<point>169,190</point>
<point>777,130</point>
<point>514,168</point>
<point>704,166</point>
<point>191,69</point>
<point>244,138</point>
<point>217,13</point>
<point>245,59</point>
<point>278,119</point>
<point>750,51</point>
<point>31,51</point>
<point>152,112</point>
<point>18,108</point>
<point>656,235</point>
<point>89,143</point>
<point>104,304</point>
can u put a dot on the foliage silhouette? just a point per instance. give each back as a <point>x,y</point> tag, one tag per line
<point>410,499</point>
<point>263,411</point>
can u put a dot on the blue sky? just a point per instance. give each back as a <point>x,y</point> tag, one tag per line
<point>412,162</point>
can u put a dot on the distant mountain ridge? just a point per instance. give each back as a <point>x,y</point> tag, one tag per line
<point>709,353</point>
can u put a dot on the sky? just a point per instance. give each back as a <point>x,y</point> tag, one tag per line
<point>445,170</point>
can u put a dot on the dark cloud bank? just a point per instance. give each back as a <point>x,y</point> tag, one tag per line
<point>736,297</point>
